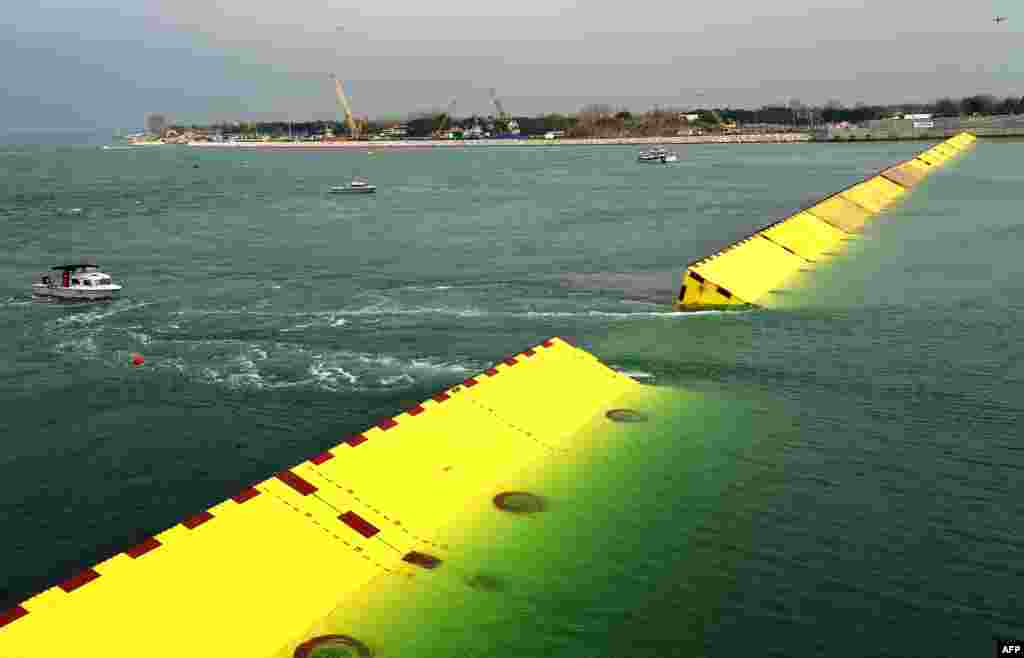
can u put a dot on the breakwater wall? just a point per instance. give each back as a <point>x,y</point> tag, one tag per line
<point>748,271</point>
<point>760,138</point>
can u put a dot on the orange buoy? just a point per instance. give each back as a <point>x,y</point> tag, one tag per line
<point>137,360</point>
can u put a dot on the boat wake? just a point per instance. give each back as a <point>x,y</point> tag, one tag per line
<point>282,366</point>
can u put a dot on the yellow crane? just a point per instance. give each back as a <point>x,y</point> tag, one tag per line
<point>350,120</point>
<point>446,117</point>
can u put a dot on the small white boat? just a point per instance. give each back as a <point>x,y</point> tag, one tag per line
<point>78,283</point>
<point>658,154</point>
<point>654,155</point>
<point>357,186</point>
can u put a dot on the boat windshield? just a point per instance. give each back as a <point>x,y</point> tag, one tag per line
<point>104,282</point>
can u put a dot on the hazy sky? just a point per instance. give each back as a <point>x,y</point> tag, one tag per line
<point>66,66</point>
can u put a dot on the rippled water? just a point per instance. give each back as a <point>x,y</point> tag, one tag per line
<point>877,514</point>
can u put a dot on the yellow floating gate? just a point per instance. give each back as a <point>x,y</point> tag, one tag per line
<point>806,235</point>
<point>746,272</point>
<point>907,174</point>
<point>250,576</point>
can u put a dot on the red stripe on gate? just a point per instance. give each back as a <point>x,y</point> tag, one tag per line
<point>415,411</point>
<point>80,579</point>
<point>12,615</point>
<point>322,457</point>
<point>355,440</point>
<point>146,546</point>
<point>245,494</point>
<point>295,482</point>
<point>440,397</point>
<point>359,524</point>
<point>387,424</point>
<point>193,522</point>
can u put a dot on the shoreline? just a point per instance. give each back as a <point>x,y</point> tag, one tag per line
<point>762,138</point>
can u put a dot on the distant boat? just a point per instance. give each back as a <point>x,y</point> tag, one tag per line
<point>357,186</point>
<point>653,155</point>
<point>77,283</point>
<point>657,154</point>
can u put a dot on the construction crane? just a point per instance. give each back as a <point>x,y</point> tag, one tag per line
<point>446,118</point>
<point>497,105</point>
<point>353,127</point>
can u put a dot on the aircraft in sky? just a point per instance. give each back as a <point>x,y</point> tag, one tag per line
<point>999,19</point>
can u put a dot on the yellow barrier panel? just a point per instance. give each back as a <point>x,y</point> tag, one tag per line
<point>841,213</point>
<point>746,271</point>
<point>805,235</point>
<point>876,194</point>
<point>254,573</point>
<point>932,158</point>
<point>698,292</point>
<point>751,268</point>
<point>907,174</point>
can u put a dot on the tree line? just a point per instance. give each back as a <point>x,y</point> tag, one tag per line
<point>602,120</point>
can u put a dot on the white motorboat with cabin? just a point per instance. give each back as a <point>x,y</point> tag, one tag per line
<point>83,282</point>
<point>357,186</point>
<point>657,154</point>
<point>652,155</point>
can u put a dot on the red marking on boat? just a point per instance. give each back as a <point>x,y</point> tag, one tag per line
<point>359,524</point>
<point>80,579</point>
<point>295,482</point>
<point>194,522</point>
<point>137,360</point>
<point>245,494</point>
<point>322,457</point>
<point>12,615</point>
<point>146,546</point>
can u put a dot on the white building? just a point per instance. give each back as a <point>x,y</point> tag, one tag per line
<point>395,132</point>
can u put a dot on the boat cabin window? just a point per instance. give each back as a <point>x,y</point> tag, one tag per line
<point>104,282</point>
<point>74,282</point>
